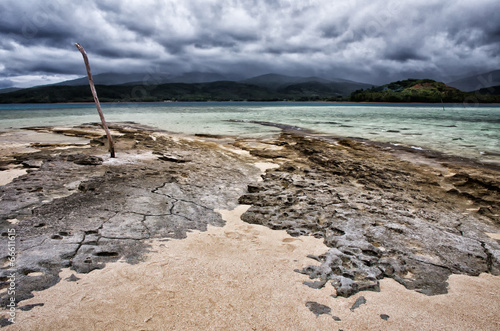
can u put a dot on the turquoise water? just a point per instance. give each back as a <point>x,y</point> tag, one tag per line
<point>472,132</point>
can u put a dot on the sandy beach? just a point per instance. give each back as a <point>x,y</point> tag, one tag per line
<point>216,233</point>
<point>241,277</point>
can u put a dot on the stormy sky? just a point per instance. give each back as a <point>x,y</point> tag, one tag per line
<point>373,41</point>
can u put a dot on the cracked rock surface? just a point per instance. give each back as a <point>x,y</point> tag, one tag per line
<point>81,210</point>
<point>381,216</point>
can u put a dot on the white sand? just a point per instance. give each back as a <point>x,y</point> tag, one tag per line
<point>263,166</point>
<point>240,277</point>
<point>9,175</point>
<point>495,236</point>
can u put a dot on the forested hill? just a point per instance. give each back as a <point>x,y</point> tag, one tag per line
<point>419,90</point>
<point>210,91</point>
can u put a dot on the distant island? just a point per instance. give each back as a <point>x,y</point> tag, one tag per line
<point>202,87</point>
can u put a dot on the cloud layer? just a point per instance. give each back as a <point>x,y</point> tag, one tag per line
<point>373,41</point>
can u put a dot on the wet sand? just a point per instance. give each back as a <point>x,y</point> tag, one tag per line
<point>241,277</point>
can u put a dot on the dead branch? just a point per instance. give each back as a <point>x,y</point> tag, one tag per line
<point>96,100</point>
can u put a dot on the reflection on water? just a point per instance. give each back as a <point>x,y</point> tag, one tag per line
<point>472,132</point>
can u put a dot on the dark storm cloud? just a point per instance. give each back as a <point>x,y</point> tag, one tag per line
<point>373,41</point>
<point>404,55</point>
<point>34,22</point>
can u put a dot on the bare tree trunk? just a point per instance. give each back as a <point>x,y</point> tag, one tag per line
<point>96,100</point>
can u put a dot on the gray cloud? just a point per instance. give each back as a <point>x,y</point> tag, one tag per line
<point>405,55</point>
<point>371,41</point>
<point>4,83</point>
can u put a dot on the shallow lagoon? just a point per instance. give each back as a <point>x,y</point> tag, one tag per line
<point>465,131</point>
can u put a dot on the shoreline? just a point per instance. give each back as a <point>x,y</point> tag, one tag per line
<point>196,183</point>
<point>417,150</point>
<point>256,102</point>
<point>456,138</point>
<point>427,153</point>
<point>434,155</point>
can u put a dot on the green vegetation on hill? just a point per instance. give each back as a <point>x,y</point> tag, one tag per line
<point>419,90</point>
<point>410,90</point>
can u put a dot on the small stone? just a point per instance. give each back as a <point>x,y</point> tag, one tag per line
<point>317,308</point>
<point>32,163</point>
<point>335,318</point>
<point>316,285</point>
<point>72,278</point>
<point>360,301</point>
<point>29,307</point>
<point>384,317</point>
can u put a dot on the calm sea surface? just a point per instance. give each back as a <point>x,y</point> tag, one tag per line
<point>466,131</point>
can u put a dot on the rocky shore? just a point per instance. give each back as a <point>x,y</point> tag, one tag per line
<point>382,216</point>
<point>382,212</point>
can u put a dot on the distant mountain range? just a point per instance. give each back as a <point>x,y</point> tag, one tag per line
<point>274,82</point>
<point>111,78</point>
<point>203,86</point>
<point>476,82</point>
<point>193,86</point>
<point>291,85</point>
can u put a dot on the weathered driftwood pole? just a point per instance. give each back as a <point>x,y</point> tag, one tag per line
<point>96,100</point>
